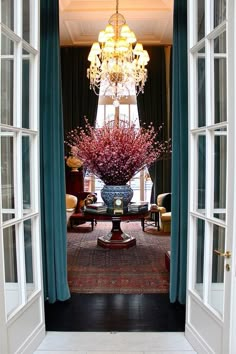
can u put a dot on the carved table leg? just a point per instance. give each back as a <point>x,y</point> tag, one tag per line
<point>116,238</point>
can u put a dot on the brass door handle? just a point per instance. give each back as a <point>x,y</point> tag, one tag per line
<point>226,254</point>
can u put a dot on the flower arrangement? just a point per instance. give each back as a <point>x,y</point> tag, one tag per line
<point>115,154</point>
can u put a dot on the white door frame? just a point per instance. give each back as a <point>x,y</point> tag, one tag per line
<point>22,324</point>
<point>232,158</point>
<point>204,328</point>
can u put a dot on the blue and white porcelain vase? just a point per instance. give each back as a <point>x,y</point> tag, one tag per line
<point>109,192</point>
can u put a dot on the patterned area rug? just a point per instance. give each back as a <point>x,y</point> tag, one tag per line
<point>137,270</point>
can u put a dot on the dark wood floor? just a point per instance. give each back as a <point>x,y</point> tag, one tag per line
<point>115,313</point>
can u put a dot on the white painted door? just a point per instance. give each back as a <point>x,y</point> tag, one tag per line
<point>21,297</point>
<point>211,257</point>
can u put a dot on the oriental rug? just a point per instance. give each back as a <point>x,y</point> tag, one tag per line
<point>137,270</point>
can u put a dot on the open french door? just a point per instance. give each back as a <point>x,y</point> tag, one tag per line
<point>21,298</point>
<point>210,322</point>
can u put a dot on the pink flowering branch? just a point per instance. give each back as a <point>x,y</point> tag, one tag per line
<point>116,154</point>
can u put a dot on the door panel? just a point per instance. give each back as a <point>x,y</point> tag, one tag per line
<point>22,324</point>
<point>211,198</point>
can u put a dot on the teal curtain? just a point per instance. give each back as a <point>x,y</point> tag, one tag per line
<point>179,155</point>
<point>53,210</point>
<point>152,107</point>
<point>78,99</point>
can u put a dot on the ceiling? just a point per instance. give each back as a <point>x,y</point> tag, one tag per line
<point>81,20</point>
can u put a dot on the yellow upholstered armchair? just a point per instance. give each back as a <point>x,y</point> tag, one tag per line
<point>71,204</point>
<point>164,207</point>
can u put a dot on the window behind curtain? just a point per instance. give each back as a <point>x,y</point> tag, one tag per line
<point>141,182</point>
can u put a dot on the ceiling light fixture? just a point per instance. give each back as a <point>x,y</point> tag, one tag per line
<point>114,62</point>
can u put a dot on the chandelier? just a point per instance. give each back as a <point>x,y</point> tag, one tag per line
<point>114,63</point>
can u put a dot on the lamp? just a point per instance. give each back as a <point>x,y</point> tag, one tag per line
<point>114,62</point>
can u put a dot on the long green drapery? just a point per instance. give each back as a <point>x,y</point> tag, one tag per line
<point>78,99</point>
<point>179,156</point>
<point>52,173</point>
<point>152,107</point>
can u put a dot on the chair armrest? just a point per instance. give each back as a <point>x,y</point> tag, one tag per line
<point>162,210</point>
<point>70,209</point>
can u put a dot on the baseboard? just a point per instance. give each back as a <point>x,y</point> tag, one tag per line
<point>33,341</point>
<point>198,344</point>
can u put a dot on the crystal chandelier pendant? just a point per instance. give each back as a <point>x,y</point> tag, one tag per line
<point>113,60</point>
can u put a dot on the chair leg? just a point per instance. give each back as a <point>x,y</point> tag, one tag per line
<point>70,224</point>
<point>142,223</point>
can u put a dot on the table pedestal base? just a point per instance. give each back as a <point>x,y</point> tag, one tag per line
<point>116,238</point>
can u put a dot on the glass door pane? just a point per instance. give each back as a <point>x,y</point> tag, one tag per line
<point>26,20</point>
<point>26,167</point>
<point>220,67</point>
<point>220,90</point>
<point>216,291</point>
<point>201,19</point>
<point>199,273</point>
<point>201,82</point>
<point>7,176</point>
<point>219,12</point>
<point>28,246</point>
<point>7,77</point>
<point>220,159</point>
<point>220,43</point>
<point>201,188</point>
<point>26,90</point>
<point>12,288</point>
<point>135,185</point>
<point>7,12</point>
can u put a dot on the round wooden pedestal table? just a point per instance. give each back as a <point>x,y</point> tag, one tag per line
<point>117,238</point>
